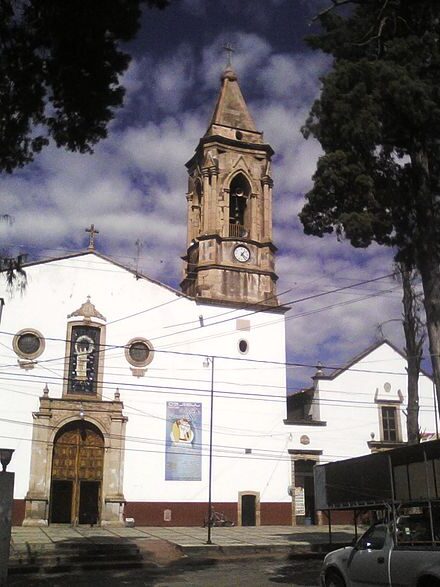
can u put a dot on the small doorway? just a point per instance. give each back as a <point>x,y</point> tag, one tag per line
<point>304,482</point>
<point>61,502</point>
<point>77,471</point>
<point>248,510</point>
<point>88,512</point>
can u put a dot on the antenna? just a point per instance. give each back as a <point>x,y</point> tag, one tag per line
<point>139,244</point>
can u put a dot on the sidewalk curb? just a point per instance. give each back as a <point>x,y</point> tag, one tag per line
<point>296,551</point>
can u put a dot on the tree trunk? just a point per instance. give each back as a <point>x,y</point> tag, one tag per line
<point>414,339</point>
<point>430,273</point>
<point>427,254</point>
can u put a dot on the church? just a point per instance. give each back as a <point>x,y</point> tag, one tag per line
<point>127,401</point>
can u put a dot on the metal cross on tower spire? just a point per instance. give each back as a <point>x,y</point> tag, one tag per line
<point>229,49</point>
<point>92,231</point>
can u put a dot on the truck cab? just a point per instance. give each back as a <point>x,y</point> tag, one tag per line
<point>404,555</point>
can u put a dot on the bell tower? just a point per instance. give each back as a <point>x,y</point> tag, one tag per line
<point>230,254</point>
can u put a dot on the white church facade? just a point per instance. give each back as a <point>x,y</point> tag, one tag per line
<point>124,398</point>
<point>110,404</point>
<point>126,395</point>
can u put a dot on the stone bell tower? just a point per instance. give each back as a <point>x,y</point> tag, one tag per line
<point>230,255</point>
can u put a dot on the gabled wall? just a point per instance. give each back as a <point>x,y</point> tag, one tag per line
<point>249,398</point>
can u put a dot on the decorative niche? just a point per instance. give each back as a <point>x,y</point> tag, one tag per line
<point>85,352</point>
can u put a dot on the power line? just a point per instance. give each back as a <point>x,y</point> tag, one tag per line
<point>203,393</point>
<point>290,302</point>
<point>144,439</point>
<point>220,357</point>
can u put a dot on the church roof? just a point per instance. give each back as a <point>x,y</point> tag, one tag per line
<point>385,342</point>
<point>231,109</point>
<point>95,253</point>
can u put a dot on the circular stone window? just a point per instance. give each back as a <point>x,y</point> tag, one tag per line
<point>139,352</point>
<point>243,346</point>
<point>28,343</point>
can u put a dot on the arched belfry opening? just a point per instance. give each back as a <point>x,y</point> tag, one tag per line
<point>239,193</point>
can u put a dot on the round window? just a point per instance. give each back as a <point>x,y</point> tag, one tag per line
<point>139,352</point>
<point>28,344</point>
<point>243,346</point>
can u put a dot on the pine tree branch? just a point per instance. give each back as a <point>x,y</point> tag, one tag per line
<point>335,4</point>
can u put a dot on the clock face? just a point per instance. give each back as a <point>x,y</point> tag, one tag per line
<point>242,254</point>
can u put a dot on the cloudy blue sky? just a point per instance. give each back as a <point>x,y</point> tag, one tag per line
<point>133,187</point>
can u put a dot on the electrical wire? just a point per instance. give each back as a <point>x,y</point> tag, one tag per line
<point>220,357</point>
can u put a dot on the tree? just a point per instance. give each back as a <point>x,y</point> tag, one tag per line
<point>378,121</point>
<point>60,63</point>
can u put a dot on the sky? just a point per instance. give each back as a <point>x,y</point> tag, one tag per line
<point>133,186</point>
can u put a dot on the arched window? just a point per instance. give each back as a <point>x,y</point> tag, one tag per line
<point>238,202</point>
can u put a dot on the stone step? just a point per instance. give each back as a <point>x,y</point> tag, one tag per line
<point>76,568</point>
<point>81,556</point>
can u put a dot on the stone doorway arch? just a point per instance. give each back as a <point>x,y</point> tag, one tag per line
<point>77,474</point>
<point>56,416</point>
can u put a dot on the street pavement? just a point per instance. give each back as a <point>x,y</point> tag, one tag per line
<point>260,572</point>
<point>189,540</point>
<point>174,556</point>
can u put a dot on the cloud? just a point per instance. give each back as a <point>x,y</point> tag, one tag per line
<point>292,77</point>
<point>134,185</point>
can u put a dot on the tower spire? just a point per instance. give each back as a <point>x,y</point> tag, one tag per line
<point>230,256</point>
<point>231,111</point>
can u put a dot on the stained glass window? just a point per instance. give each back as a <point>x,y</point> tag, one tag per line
<point>83,360</point>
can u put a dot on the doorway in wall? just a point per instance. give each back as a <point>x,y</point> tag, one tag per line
<point>77,470</point>
<point>248,510</point>
<point>304,481</point>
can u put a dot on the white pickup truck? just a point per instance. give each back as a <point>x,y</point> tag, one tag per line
<point>409,557</point>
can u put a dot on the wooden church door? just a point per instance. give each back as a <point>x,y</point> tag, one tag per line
<point>77,470</point>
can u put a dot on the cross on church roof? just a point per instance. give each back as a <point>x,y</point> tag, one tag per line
<point>92,230</point>
<point>229,49</point>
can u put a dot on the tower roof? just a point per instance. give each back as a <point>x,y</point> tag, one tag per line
<point>230,110</point>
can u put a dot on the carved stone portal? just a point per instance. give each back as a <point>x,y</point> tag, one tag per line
<point>77,463</point>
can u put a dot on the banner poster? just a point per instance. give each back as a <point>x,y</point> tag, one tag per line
<point>300,502</point>
<point>183,456</point>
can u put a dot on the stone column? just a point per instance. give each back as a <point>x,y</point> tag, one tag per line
<point>37,498</point>
<point>114,500</point>
<point>6,499</point>
<point>208,216</point>
<point>226,195</point>
<point>189,228</point>
<point>215,200</point>
<point>267,207</point>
